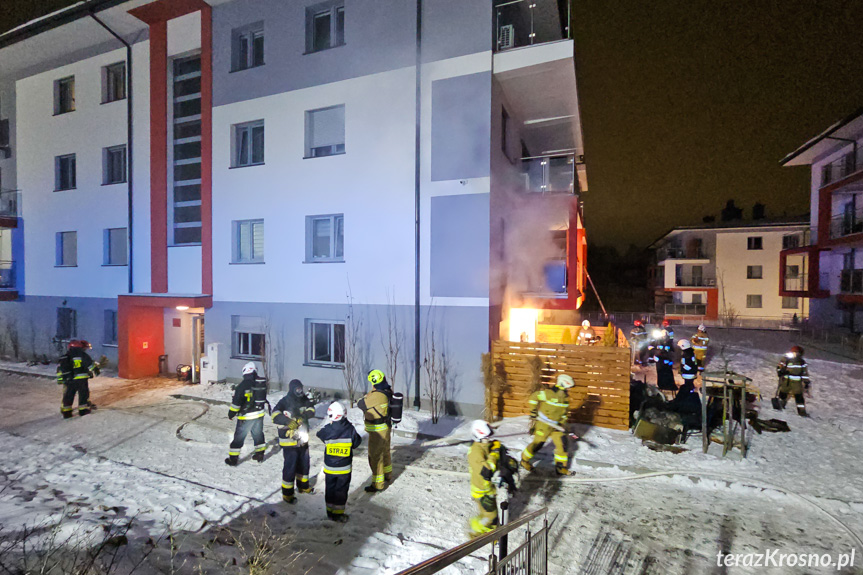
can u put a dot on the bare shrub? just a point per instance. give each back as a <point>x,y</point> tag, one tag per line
<point>392,338</point>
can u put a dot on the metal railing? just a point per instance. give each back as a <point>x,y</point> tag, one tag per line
<point>797,240</point>
<point>7,275</point>
<point>549,174</point>
<point>851,282</point>
<point>847,224</point>
<point>450,556</point>
<point>526,22</point>
<point>680,254</point>
<point>841,168</point>
<point>685,309</point>
<point>695,281</point>
<point>529,558</point>
<point>9,202</point>
<point>834,339</point>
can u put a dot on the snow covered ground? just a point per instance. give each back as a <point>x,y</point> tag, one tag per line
<point>155,458</point>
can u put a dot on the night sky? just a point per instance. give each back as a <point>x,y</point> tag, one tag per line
<point>688,104</point>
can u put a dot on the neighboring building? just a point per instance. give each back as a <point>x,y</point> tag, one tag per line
<point>294,181</point>
<point>728,272</point>
<point>833,260</point>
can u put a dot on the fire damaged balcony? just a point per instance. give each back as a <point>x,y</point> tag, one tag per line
<point>550,174</point>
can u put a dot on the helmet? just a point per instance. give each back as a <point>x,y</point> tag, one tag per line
<point>76,344</point>
<point>585,324</point>
<point>684,344</point>
<point>565,381</point>
<point>665,323</point>
<point>86,344</point>
<point>295,387</point>
<point>376,376</point>
<point>249,368</point>
<point>335,411</point>
<point>797,350</point>
<point>702,328</point>
<point>480,430</point>
<point>637,323</point>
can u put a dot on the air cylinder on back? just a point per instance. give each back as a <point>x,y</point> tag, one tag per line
<point>397,403</point>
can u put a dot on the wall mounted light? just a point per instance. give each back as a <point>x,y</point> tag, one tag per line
<point>182,307</point>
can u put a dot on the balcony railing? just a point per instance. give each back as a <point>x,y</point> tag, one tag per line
<point>526,22</point>
<point>681,254</point>
<point>549,174</point>
<point>7,275</point>
<point>851,282</point>
<point>847,224</point>
<point>843,167</point>
<point>685,309</point>
<point>799,283</point>
<point>9,202</point>
<point>695,281</point>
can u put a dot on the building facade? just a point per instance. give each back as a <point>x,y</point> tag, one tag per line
<point>299,184</point>
<point>728,273</point>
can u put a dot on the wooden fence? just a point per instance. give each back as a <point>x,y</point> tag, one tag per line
<point>601,393</point>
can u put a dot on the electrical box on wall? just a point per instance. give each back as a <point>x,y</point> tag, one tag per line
<point>214,365</point>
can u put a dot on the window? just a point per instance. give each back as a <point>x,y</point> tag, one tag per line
<point>109,336</point>
<point>248,337</point>
<point>504,128</point>
<point>792,272</point>
<point>789,242</point>
<point>325,343</point>
<point>67,323</point>
<point>325,132</point>
<point>754,243</point>
<point>789,303</point>
<point>64,172</point>
<point>248,144</point>
<point>248,242</point>
<point>697,299</point>
<point>114,251</point>
<point>186,176</point>
<point>64,95</point>
<point>114,165</point>
<point>325,26</point>
<point>114,82</point>
<point>247,47</point>
<point>66,253</point>
<point>753,301</point>
<point>754,272</point>
<point>325,238</point>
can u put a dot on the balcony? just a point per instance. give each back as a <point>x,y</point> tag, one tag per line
<point>685,309</point>
<point>851,282</point>
<point>847,224</point>
<point>549,174</point>
<point>677,253</point>
<point>8,288</point>
<point>842,168</point>
<point>695,281</point>
<point>520,23</point>
<point>9,206</point>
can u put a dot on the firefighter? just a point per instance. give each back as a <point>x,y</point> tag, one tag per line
<point>688,363</point>
<point>549,414</point>
<point>638,337</point>
<point>376,413</point>
<point>663,356</point>
<point>483,459</point>
<point>291,415</point>
<point>699,342</point>
<point>586,335</point>
<point>74,371</point>
<point>666,325</point>
<point>341,439</point>
<point>793,374</point>
<point>248,406</point>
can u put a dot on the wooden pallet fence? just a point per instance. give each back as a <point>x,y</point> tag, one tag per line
<point>601,393</point>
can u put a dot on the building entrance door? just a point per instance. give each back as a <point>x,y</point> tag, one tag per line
<point>197,346</point>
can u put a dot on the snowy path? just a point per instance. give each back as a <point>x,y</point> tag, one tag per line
<point>126,460</point>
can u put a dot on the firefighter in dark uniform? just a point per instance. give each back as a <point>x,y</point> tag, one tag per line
<point>793,374</point>
<point>249,407</point>
<point>376,406</point>
<point>74,372</point>
<point>291,415</point>
<point>688,363</point>
<point>638,338</point>
<point>663,356</point>
<point>340,440</point>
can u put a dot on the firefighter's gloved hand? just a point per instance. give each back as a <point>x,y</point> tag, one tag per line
<point>531,426</point>
<point>310,395</point>
<point>232,414</point>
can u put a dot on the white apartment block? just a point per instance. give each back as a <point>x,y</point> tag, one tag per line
<point>270,181</point>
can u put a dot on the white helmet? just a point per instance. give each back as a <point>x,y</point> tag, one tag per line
<point>565,381</point>
<point>249,368</point>
<point>335,411</point>
<point>480,430</point>
<point>702,328</point>
<point>684,344</point>
<point>585,324</point>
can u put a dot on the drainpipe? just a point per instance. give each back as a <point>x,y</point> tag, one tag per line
<point>417,401</point>
<point>129,154</point>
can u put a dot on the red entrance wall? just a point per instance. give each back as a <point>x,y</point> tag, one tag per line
<point>141,339</point>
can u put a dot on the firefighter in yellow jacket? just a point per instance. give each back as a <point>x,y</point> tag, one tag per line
<point>549,412</point>
<point>699,341</point>
<point>484,459</point>
<point>376,412</point>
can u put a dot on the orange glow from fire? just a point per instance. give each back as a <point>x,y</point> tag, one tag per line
<point>522,324</point>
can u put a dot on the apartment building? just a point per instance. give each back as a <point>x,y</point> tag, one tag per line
<point>729,272</point>
<point>284,181</point>
<point>833,260</point>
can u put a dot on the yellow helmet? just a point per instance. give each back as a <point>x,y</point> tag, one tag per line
<point>376,376</point>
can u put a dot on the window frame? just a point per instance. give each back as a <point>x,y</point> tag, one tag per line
<point>72,322</point>
<point>236,146</point>
<point>337,149</point>
<point>754,243</point>
<point>749,301</point>
<point>249,33</point>
<point>236,238</point>
<point>59,249</point>
<point>333,10</point>
<point>106,165</point>
<point>110,328</point>
<point>106,247</point>
<point>308,359</point>
<point>59,84</point>
<point>750,272</point>
<point>796,305</point>
<point>108,72</point>
<point>58,173</point>
<point>334,220</point>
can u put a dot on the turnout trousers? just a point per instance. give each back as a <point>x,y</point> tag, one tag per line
<point>541,433</point>
<point>81,387</point>
<point>380,460</point>
<point>336,496</point>
<point>244,427</point>
<point>486,520</point>
<point>295,469</point>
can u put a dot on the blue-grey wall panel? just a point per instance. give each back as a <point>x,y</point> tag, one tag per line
<point>454,28</point>
<point>459,245</point>
<point>461,127</point>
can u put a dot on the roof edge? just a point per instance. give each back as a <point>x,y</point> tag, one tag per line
<point>823,135</point>
<point>51,21</point>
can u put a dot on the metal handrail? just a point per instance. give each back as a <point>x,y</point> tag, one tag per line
<point>450,556</point>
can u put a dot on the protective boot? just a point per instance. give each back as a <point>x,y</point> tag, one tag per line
<point>68,415</point>
<point>289,498</point>
<point>801,411</point>
<point>527,465</point>
<point>84,411</point>
<point>232,460</point>
<point>388,477</point>
<point>258,456</point>
<point>306,489</point>
<point>562,470</point>
<point>373,489</point>
<point>338,517</point>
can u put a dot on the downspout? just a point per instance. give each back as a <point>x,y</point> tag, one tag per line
<point>129,154</point>
<point>417,128</point>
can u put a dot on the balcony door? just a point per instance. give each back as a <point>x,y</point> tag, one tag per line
<point>697,275</point>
